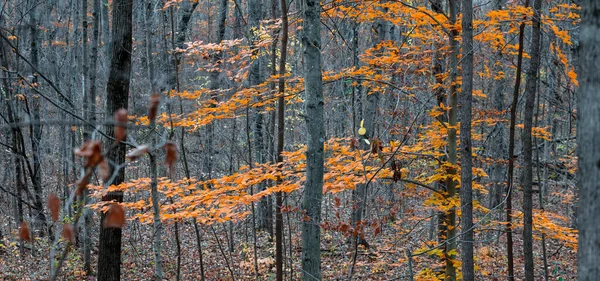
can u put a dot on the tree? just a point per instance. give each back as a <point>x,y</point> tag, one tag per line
<point>117,97</point>
<point>313,189</point>
<point>466,162</point>
<point>588,152</point>
<point>530,93</point>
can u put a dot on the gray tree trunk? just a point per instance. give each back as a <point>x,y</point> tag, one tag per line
<point>530,91</point>
<point>466,161</point>
<point>36,127</point>
<point>588,133</point>
<point>498,143</point>
<point>313,189</point>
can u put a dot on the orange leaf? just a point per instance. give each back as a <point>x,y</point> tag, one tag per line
<point>53,206</point>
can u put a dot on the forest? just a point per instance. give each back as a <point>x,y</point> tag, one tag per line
<point>300,140</point>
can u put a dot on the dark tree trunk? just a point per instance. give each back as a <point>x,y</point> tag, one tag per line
<point>466,161</point>
<point>512,156</point>
<point>117,91</point>
<point>280,141</point>
<point>530,90</point>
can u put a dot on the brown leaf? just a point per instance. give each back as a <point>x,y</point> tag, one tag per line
<point>24,232</point>
<point>115,216</point>
<point>138,152</point>
<point>104,171</point>
<point>153,107</point>
<point>92,150</point>
<point>171,154</point>
<point>68,233</point>
<point>82,184</point>
<point>121,119</point>
<point>53,206</point>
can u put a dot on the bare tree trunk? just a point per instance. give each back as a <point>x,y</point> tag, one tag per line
<point>36,127</point>
<point>511,155</point>
<point>117,90</point>
<point>313,189</point>
<point>466,161</point>
<point>530,90</point>
<point>498,144</point>
<point>450,239</point>
<point>280,140</point>
<point>91,101</point>
<point>588,133</point>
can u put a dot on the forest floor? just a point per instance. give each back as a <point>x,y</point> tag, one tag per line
<point>384,260</point>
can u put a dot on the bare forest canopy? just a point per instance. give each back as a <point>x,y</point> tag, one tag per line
<point>299,140</point>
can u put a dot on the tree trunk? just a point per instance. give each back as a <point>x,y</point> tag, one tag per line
<point>36,127</point>
<point>450,237</point>
<point>466,161</point>
<point>511,154</point>
<point>313,189</point>
<point>530,90</point>
<point>280,141</point>
<point>117,91</point>
<point>588,133</point>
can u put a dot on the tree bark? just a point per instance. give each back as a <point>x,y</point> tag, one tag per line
<point>117,91</point>
<point>530,90</point>
<point>588,133</point>
<point>313,189</point>
<point>466,161</point>
<point>450,237</point>
<point>511,154</point>
<point>280,141</point>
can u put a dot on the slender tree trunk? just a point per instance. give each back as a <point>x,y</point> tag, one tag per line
<point>117,90</point>
<point>530,90</point>
<point>511,155</point>
<point>313,189</point>
<point>36,132</point>
<point>91,101</point>
<point>157,225</point>
<point>450,239</point>
<point>498,144</point>
<point>280,140</point>
<point>466,162</point>
<point>588,133</point>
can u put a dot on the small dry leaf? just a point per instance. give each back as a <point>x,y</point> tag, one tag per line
<point>53,206</point>
<point>115,216</point>
<point>24,232</point>
<point>120,130</point>
<point>171,154</point>
<point>68,233</point>
<point>138,152</point>
<point>153,107</point>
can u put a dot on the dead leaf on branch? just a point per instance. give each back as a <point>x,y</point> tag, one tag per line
<point>24,232</point>
<point>115,216</point>
<point>53,206</point>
